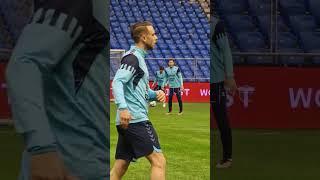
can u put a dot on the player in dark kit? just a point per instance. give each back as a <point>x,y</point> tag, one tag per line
<point>221,77</point>
<point>58,87</point>
<point>175,82</point>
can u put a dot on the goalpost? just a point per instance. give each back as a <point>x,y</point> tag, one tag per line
<point>115,58</point>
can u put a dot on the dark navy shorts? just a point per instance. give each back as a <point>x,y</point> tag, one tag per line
<point>138,140</point>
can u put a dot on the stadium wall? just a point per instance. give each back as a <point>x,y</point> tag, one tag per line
<point>295,101</point>
<point>276,97</point>
<point>195,92</point>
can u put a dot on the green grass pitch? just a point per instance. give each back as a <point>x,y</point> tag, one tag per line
<point>271,155</point>
<point>184,140</point>
<point>258,154</point>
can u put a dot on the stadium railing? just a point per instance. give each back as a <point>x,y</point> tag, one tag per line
<point>193,69</point>
<point>279,59</point>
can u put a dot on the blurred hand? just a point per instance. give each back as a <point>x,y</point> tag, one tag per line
<point>49,166</point>
<point>231,85</point>
<point>125,117</point>
<point>161,96</point>
<point>182,88</point>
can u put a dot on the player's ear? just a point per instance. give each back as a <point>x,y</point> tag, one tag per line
<point>144,37</point>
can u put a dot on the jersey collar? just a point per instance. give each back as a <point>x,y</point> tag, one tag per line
<point>142,52</point>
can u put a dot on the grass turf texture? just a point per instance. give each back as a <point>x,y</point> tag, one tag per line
<point>10,153</point>
<point>271,155</point>
<point>258,154</point>
<point>184,140</point>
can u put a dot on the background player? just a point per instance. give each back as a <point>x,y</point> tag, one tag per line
<point>136,135</point>
<point>175,82</point>
<point>57,84</point>
<point>159,80</point>
<point>221,77</point>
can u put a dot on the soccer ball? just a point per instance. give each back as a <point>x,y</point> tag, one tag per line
<point>153,103</point>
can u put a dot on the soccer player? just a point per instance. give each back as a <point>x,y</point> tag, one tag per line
<point>136,135</point>
<point>174,79</point>
<point>58,88</point>
<point>160,77</point>
<point>221,77</point>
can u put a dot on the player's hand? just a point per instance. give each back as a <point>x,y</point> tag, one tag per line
<point>231,85</point>
<point>49,166</point>
<point>182,88</point>
<point>161,96</point>
<point>125,117</point>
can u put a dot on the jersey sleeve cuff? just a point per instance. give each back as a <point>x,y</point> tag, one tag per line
<point>39,142</point>
<point>229,76</point>
<point>123,106</point>
<point>152,94</point>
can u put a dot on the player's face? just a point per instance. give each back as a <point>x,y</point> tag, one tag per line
<point>150,38</point>
<point>171,63</point>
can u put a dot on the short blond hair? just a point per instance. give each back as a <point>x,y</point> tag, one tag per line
<point>138,29</point>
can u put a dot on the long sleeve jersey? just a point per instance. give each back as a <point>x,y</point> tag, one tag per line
<point>160,78</point>
<point>173,77</point>
<point>221,57</point>
<point>130,86</point>
<point>57,84</point>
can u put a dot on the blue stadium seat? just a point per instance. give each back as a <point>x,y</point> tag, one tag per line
<point>310,41</point>
<point>240,23</point>
<point>291,60</point>
<point>259,7</point>
<point>251,41</point>
<point>314,8</point>
<point>287,40</point>
<point>291,7</point>
<point>303,23</point>
<point>231,6</point>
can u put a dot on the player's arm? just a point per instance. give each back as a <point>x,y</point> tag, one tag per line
<point>128,68</point>
<point>165,79</point>
<point>152,94</point>
<point>156,95</point>
<point>51,33</point>
<point>53,30</point>
<point>155,81</point>
<point>180,78</point>
<point>222,42</point>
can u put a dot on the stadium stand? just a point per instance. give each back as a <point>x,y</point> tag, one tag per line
<point>296,28</point>
<point>182,27</point>
<point>13,17</point>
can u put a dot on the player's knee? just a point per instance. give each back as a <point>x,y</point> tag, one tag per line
<point>119,169</point>
<point>158,161</point>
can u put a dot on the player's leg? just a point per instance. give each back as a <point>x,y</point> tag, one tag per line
<point>158,166</point>
<point>25,167</point>
<point>124,155</point>
<point>178,94</point>
<point>171,91</point>
<point>220,114</point>
<point>119,168</point>
<point>145,143</point>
